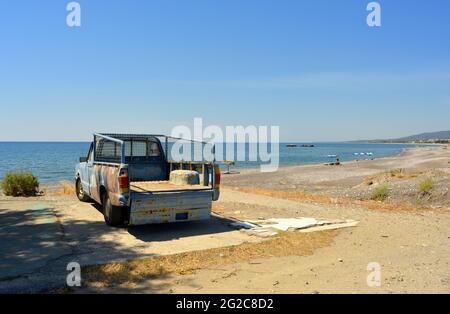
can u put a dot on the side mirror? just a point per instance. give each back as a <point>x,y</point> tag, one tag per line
<point>83,159</point>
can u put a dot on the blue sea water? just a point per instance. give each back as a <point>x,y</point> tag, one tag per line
<point>55,161</point>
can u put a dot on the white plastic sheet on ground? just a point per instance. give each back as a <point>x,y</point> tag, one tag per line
<point>267,226</point>
<point>284,224</point>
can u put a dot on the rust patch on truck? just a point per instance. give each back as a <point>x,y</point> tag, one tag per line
<point>105,176</point>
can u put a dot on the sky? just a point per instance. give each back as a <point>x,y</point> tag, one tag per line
<point>314,68</point>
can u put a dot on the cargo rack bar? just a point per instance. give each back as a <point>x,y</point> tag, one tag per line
<point>121,137</point>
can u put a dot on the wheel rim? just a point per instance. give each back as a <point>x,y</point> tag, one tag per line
<point>107,209</point>
<point>80,189</point>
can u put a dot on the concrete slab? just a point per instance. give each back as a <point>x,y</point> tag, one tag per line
<point>40,237</point>
<point>30,238</point>
<point>94,242</point>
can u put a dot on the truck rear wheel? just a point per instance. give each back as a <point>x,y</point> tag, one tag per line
<point>112,214</point>
<point>80,192</point>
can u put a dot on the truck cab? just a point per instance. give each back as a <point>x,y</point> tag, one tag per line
<point>136,183</point>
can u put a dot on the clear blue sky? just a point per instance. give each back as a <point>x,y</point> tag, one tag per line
<point>312,67</point>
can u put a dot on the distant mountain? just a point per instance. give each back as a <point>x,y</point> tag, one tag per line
<point>442,135</point>
<point>430,137</point>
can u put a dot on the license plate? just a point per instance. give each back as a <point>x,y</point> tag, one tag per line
<point>181,216</point>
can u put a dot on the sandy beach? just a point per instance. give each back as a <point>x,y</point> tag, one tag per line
<point>357,179</point>
<point>411,244</point>
<point>407,234</point>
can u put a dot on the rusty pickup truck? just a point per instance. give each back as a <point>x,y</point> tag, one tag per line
<point>129,176</point>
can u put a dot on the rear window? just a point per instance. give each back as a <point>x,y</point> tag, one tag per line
<point>109,151</point>
<point>142,149</point>
<point>153,149</point>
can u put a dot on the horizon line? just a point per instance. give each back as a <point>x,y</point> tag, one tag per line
<point>281,142</point>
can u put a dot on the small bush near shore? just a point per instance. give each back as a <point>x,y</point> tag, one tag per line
<point>380,193</point>
<point>20,184</point>
<point>426,186</point>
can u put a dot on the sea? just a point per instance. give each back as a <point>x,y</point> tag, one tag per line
<point>52,162</point>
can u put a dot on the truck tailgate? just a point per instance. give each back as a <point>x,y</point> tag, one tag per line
<point>170,206</point>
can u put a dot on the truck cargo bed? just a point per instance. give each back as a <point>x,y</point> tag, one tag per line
<point>162,186</point>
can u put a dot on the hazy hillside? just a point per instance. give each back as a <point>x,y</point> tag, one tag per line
<point>442,135</point>
<point>431,137</point>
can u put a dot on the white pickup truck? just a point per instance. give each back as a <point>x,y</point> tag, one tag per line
<point>129,175</point>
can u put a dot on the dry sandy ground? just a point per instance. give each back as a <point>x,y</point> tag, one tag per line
<point>412,249</point>
<point>411,246</point>
<point>348,178</point>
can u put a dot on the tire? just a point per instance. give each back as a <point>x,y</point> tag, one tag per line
<point>80,192</point>
<point>112,214</point>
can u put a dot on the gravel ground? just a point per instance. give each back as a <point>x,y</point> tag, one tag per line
<point>412,248</point>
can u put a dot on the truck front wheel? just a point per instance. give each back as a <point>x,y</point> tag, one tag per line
<point>80,192</point>
<point>112,214</point>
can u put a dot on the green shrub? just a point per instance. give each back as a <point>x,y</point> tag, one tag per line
<point>426,185</point>
<point>20,184</point>
<point>380,193</point>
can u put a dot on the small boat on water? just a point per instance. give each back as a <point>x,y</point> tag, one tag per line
<point>303,145</point>
<point>362,154</point>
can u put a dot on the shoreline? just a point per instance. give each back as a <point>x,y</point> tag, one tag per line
<point>400,154</point>
<point>282,167</point>
<point>243,170</point>
<point>401,179</point>
<point>235,171</point>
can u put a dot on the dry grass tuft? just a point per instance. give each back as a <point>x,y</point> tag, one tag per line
<point>390,175</point>
<point>380,193</point>
<point>341,201</point>
<point>131,272</point>
<point>426,185</point>
<point>64,188</point>
<point>292,195</point>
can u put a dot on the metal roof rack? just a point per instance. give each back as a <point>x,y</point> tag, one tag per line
<point>119,137</point>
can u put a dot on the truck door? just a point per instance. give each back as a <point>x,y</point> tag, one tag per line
<point>85,172</point>
<point>89,169</point>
